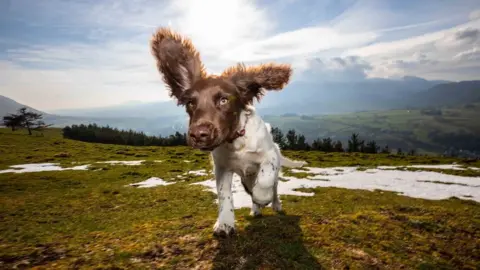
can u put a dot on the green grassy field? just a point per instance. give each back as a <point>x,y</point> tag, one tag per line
<point>408,129</point>
<point>92,220</point>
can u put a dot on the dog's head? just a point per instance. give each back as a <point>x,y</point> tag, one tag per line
<point>213,103</point>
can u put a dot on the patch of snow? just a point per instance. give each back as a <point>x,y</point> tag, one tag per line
<point>151,182</point>
<point>41,167</point>
<point>123,162</point>
<point>198,172</point>
<point>328,171</point>
<point>240,197</point>
<point>439,166</point>
<point>416,184</point>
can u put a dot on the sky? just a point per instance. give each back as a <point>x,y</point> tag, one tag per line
<point>59,54</point>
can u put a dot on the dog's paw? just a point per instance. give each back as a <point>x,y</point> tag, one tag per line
<point>277,207</point>
<point>255,212</point>
<point>222,229</point>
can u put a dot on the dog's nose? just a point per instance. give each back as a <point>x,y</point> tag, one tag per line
<point>201,132</point>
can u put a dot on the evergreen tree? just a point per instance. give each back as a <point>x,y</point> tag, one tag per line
<point>278,138</point>
<point>327,145</point>
<point>302,143</point>
<point>338,147</point>
<point>371,147</point>
<point>31,120</point>
<point>25,119</point>
<point>354,143</point>
<point>317,144</point>
<point>12,121</point>
<point>292,139</point>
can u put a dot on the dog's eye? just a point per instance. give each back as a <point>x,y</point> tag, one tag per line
<point>190,104</point>
<point>223,101</point>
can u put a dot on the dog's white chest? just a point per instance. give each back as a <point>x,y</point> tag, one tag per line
<point>241,162</point>
<point>246,153</point>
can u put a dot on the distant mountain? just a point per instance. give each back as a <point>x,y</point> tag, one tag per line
<point>298,97</point>
<point>8,105</point>
<point>333,98</point>
<point>419,81</point>
<point>448,94</point>
<point>342,97</point>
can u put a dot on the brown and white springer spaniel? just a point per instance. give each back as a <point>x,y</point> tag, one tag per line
<point>223,121</point>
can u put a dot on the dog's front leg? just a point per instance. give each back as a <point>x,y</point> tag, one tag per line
<point>264,189</point>
<point>225,224</point>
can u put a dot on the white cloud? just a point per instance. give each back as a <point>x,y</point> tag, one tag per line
<point>77,87</point>
<point>432,55</point>
<point>119,69</point>
<point>472,54</point>
<point>474,15</point>
<point>350,68</point>
<point>115,65</point>
<point>299,42</point>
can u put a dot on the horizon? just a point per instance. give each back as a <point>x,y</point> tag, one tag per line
<point>82,55</point>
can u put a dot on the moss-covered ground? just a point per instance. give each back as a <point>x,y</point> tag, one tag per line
<point>93,220</point>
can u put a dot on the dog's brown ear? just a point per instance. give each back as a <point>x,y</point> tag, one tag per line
<point>177,60</point>
<point>252,80</point>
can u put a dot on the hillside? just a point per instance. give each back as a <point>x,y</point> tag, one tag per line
<point>448,94</point>
<point>427,130</point>
<point>374,94</point>
<point>89,216</point>
<point>319,97</point>
<point>8,105</point>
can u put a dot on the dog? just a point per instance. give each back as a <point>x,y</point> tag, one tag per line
<point>223,122</point>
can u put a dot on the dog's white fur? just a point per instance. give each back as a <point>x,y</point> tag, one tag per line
<point>257,159</point>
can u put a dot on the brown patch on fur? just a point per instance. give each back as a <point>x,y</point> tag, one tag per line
<point>206,111</point>
<point>252,79</point>
<point>177,59</point>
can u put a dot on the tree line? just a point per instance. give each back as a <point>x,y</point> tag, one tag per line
<point>293,141</point>
<point>109,135</point>
<point>289,141</point>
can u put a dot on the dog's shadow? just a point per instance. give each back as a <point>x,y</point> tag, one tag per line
<point>268,242</point>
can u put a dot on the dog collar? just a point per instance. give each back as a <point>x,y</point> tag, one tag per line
<point>239,133</point>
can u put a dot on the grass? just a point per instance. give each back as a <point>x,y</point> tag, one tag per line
<point>92,220</point>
